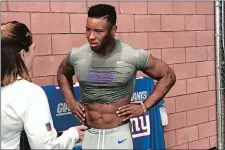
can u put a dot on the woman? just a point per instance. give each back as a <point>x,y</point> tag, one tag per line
<point>24,105</point>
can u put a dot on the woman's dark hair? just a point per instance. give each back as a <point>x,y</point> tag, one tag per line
<point>15,37</point>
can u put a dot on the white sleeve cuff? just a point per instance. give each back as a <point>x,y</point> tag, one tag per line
<point>73,134</point>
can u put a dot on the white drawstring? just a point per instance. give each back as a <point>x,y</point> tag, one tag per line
<point>103,138</point>
<point>99,135</point>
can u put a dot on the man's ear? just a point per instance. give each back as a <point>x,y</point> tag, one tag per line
<point>113,31</point>
<point>22,54</point>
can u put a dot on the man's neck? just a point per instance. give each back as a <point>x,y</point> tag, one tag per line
<point>108,48</point>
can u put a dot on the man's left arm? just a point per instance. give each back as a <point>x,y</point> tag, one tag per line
<point>160,71</point>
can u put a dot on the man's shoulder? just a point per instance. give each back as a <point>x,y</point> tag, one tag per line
<point>83,48</point>
<point>125,46</point>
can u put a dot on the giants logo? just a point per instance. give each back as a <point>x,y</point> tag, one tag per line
<point>139,96</point>
<point>63,109</point>
<point>140,126</point>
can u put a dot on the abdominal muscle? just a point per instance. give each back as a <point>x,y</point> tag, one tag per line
<point>103,116</point>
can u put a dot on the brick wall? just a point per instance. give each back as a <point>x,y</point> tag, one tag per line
<point>180,33</point>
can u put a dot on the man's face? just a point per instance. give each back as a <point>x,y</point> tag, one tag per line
<point>98,33</point>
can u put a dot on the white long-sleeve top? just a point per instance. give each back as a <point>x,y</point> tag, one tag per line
<point>24,105</point>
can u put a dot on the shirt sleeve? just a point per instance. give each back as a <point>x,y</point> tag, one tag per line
<point>142,58</point>
<point>38,125</point>
<point>70,58</point>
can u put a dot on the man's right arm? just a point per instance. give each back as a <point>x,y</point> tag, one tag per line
<point>65,81</point>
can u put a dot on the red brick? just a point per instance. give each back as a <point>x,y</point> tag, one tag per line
<point>176,121</point>
<point>210,22</point>
<point>195,22</point>
<point>160,8</point>
<point>170,139</point>
<point>205,7</point>
<point>200,144</point>
<point>115,4</point>
<point>205,68</point>
<point>76,7</point>
<point>186,102</point>
<point>182,146</point>
<point>206,98</point>
<point>43,81</point>
<point>170,105</point>
<point>140,74</point>
<point>46,65</point>
<point>157,53</point>
<point>184,8</point>
<point>185,39</point>
<point>178,89</point>
<point>212,113</point>
<point>197,85</point>
<point>18,16</point>
<point>160,39</point>
<point>117,36</point>
<point>185,70</point>
<point>78,27</point>
<point>197,116</point>
<point>173,55</point>
<point>172,22</point>
<point>29,6</point>
<point>4,6</point>
<point>212,82</point>
<point>210,127</point>
<point>133,7</point>
<point>30,73</point>
<point>50,23</point>
<point>55,82</point>
<point>43,44</point>
<point>213,141</point>
<point>192,133</point>
<point>186,135</point>
<point>210,52</point>
<point>125,23</point>
<point>138,40</point>
<point>196,54</point>
<point>69,41</point>
<point>147,23</point>
<point>205,38</point>
<point>172,67</point>
<point>75,79</point>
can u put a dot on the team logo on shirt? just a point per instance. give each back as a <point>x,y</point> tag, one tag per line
<point>48,126</point>
<point>99,76</point>
<point>140,126</point>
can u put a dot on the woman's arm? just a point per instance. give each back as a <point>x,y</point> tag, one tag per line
<point>39,127</point>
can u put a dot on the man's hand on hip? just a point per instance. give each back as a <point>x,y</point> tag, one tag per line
<point>78,110</point>
<point>130,110</point>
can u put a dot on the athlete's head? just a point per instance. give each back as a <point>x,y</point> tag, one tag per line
<point>101,25</point>
<point>17,49</point>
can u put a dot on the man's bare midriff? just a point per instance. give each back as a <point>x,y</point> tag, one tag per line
<point>103,116</point>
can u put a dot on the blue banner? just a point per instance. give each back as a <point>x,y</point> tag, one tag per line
<point>147,130</point>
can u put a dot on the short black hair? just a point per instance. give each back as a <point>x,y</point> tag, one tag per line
<point>103,11</point>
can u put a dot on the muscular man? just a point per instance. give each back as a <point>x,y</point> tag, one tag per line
<point>106,71</point>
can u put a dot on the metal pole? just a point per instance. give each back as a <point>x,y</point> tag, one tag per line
<point>223,71</point>
<point>223,29</point>
<point>218,73</point>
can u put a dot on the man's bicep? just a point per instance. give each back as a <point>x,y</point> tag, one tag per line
<point>155,68</point>
<point>65,68</point>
